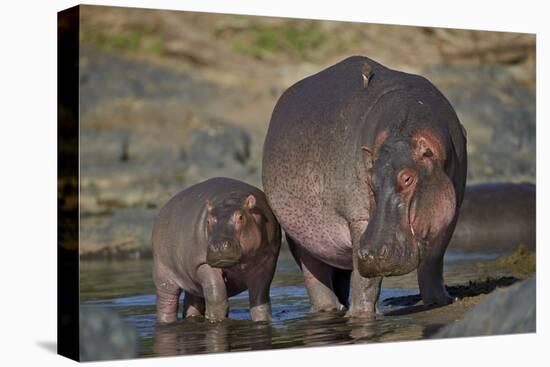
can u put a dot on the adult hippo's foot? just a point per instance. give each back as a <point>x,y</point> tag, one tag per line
<point>365,291</point>
<point>430,282</point>
<point>364,296</point>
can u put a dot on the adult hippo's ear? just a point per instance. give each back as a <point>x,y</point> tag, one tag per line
<point>428,149</point>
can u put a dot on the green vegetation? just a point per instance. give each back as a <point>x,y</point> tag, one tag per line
<point>263,40</point>
<point>133,39</point>
<point>521,263</point>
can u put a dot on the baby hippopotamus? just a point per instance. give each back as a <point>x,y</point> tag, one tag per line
<point>214,240</point>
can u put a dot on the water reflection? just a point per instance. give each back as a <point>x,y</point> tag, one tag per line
<point>127,289</point>
<point>197,336</point>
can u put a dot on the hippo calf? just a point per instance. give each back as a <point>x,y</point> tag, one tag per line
<point>365,168</point>
<point>214,240</point>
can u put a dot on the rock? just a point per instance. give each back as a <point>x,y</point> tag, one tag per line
<point>125,233</point>
<point>498,112</point>
<point>496,217</point>
<point>105,76</point>
<point>506,311</point>
<point>123,168</point>
<point>104,336</point>
<point>219,145</point>
<point>112,151</point>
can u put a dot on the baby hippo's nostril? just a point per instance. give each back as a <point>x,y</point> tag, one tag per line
<point>366,255</point>
<point>225,246</point>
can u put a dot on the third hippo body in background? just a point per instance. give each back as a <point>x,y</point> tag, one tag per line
<point>495,217</point>
<point>365,169</point>
<point>213,240</point>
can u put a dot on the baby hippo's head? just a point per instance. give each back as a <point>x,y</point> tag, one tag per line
<point>232,230</point>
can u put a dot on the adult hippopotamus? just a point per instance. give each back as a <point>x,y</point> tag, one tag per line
<point>214,240</point>
<point>365,168</point>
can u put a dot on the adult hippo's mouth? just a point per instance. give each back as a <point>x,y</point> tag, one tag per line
<point>390,260</point>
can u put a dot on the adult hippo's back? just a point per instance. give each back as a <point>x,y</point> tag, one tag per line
<point>365,168</point>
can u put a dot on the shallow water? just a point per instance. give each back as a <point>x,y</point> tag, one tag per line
<point>126,287</point>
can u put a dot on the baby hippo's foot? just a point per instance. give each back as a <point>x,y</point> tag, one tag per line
<point>217,312</point>
<point>193,306</point>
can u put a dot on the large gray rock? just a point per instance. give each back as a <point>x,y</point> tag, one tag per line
<point>104,335</point>
<point>125,233</point>
<point>219,145</point>
<point>506,311</point>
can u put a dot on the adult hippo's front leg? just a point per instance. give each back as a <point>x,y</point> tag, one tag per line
<point>364,291</point>
<point>430,272</point>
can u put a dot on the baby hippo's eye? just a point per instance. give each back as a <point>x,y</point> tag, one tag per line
<point>239,217</point>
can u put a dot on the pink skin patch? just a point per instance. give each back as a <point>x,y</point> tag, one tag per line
<point>435,205</point>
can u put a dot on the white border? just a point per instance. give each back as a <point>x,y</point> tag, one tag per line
<point>28,271</point>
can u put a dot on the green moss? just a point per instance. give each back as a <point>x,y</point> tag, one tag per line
<point>520,263</point>
<point>298,39</point>
<point>304,39</point>
<point>156,48</point>
<point>130,39</point>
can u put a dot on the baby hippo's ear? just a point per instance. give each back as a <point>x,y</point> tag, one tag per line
<point>250,201</point>
<point>208,205</point>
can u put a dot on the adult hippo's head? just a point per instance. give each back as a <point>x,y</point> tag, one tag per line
<point>232,230</point>
<point>413,201</point>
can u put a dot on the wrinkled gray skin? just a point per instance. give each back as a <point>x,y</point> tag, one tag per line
<point>365,169</point>
<point>214,240</point>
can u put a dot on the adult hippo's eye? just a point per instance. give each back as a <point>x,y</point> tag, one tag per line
<point>406,178</point>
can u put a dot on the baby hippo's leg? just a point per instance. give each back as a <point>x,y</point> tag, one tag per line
<point>192,305</point>
<point>215,293</point>
<point>258,292</point>
<point>168,294</point>
<point>167,303</point>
